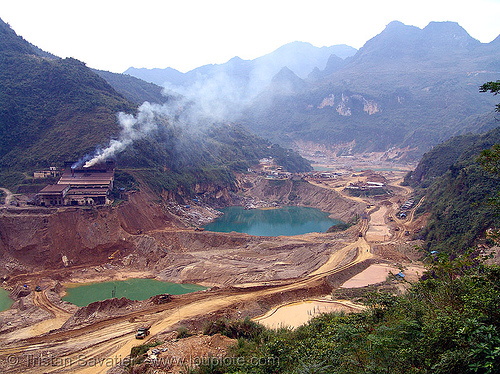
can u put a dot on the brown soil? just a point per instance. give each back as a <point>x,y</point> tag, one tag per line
<point>176,354</point>
<point>252,274</point>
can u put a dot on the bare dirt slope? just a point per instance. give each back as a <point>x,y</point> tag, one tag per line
<point>300,192</point>
<point>152,241</point>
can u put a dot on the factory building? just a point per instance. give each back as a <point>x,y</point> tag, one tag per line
<point>80,186</point>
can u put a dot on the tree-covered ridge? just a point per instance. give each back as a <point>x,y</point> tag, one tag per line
<point>135,90</point>
<point>172,158</point>
<point>439,159</point>
<point>458,192</point>
<point>51,110</point>
<point>459,206</point>
<point>56,110</point>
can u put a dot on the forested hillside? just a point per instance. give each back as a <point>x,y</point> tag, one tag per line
<point>51,110</point>
<point>55,110</point>
<point>457,191</point>
<point>406,87</point>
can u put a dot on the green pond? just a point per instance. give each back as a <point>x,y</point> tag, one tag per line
<point>286,221</point>
<point>5,300</point>
<point>133,289</point>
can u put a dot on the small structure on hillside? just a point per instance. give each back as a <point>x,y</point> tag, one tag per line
<point>53,194</point>
<point>53,172</point>
<point>80,186</point>
<point>366,189</point>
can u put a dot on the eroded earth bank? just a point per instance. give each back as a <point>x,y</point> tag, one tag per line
<point>149,236</point>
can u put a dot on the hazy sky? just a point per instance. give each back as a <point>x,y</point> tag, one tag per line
<point>184,34</point>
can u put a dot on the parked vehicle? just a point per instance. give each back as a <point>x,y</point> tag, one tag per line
<point>142,332</point>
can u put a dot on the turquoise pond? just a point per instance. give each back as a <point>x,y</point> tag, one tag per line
<point>286,221</point>
<point>133,289</point>
<point>5,300</point>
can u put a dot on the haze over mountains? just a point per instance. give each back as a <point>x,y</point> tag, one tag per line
<point>300,57</point>
<point>407,87</point>
<point>54,110</point>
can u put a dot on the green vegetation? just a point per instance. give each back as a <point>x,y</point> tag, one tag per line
<point>51,110</point>
<point>494,88</point>
<point>460,180</point>
<point>183,332</point>
<point>56,110</point>
<point>245,329</point>
<point>138,353</point>
<point>458,203</point>
<point>135,90</point>
<point>447,322</point>
<point>172,159</point>
<point>344,225</point>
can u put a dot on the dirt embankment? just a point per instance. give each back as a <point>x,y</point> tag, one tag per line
<point>52,239</point>
<point>300,192</point>
<point>145,235</point>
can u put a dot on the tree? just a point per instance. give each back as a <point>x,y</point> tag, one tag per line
<point>494,88</point>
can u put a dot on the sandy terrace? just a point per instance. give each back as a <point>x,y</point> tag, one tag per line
<point>295,314</point>
<point>374,274</point>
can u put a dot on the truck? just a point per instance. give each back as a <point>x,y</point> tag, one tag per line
<point>142,332</point>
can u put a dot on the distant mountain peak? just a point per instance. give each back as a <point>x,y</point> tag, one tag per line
<point>236,59</point>
<point>496,40</point>
<point>286,73</point>
<point>448,30</point>
<point>449,36</point>
<point>287,81</point>
<point>444,25</point>
<point>395,24</point>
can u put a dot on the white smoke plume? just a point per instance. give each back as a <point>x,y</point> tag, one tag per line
<point>214,99</point>
<point>209,99</point>
<point>133,128</point>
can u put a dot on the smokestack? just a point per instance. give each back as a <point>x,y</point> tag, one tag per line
<point>72,172</point>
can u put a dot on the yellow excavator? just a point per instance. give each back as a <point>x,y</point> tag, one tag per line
<point>112,256</point>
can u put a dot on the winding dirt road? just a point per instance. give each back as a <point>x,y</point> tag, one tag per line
<point>97,347</point>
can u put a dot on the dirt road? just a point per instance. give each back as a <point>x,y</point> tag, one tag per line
<point>97,347</point>
<point>111,340</point>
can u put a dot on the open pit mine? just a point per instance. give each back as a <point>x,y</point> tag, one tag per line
<point>73,233</point>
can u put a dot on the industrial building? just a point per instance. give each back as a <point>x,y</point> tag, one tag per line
<point>80,186</point>
<point>53,172</point>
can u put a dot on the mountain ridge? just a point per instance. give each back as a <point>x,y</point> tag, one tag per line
<point>55,110</point>
<point>300,57</point>
<point>401,89</point>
